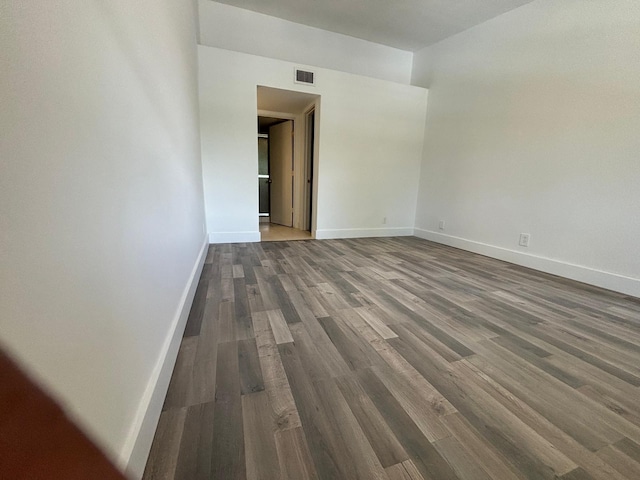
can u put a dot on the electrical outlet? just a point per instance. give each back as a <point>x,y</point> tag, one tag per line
<point>384,220</point>
<point>441,224</point>
<point>524,239</point>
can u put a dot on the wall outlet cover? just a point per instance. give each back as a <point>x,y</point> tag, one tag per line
<point>525,238</point>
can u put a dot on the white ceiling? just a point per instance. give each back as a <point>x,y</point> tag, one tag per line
<point>283,101</point>
<point>405,24</point>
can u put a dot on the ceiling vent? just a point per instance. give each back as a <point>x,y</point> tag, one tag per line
<point>304,76</point>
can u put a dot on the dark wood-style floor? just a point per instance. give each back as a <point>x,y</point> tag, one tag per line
<point>398,359</point>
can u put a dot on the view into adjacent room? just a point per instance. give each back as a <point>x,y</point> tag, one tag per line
<point>286,156</point>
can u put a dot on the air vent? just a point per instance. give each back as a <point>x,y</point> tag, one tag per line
<point>304,76</point>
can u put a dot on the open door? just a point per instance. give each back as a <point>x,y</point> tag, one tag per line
<point>281,173</point>
<point>308,168</point>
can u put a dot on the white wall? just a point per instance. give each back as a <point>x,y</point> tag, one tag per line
<point>533,126</point>
<point>233,28</point>
<point>101,223</point>
<point>369,151</point>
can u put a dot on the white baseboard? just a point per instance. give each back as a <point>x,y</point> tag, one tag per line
<point>234,237</point>
<point>599,278</point>
<point>134,454</point>
<point>363,232</point>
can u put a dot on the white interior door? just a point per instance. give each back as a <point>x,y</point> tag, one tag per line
<point>281,173</point>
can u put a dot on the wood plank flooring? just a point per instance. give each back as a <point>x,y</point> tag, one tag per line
<point>398,359</point>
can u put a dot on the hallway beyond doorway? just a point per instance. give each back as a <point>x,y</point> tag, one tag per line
<point>271,232</point>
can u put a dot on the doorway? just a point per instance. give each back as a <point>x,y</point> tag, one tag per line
<point>287,145</point>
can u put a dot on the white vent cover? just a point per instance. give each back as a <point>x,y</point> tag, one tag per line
<point>305,77</point>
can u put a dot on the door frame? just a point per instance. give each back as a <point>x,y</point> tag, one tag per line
<point>303,217</point>
<point>309,162</point>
